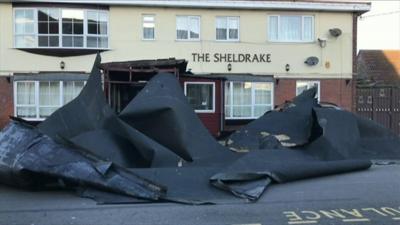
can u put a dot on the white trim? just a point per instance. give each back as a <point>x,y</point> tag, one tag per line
<point>202,82</point>
<point>225,4</point>
<point>309,82</point>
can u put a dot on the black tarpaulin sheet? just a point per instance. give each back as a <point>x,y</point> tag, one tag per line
<point>291,126</point>
<point>162,112</point>
<point>34,160</point>
<point>89,122</point>
<point>249,175</point>
<point>160,138</point>
<point>343,135</point>
<point>188,185</point>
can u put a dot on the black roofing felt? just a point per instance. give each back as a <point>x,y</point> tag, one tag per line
<point>157,149</point>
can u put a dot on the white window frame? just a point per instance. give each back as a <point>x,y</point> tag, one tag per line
<point>60,34</point>
<point>36,22</point>
<point>213,94</point>
<point>154,18</point>
<point>16,105</point>
<point>231,117</point>
<point>302,28</point>
<point>86,25</point>
<point>227,29</point>
<point>37,104</point>
<point>35,29</point>
<point>37,93</point>
<point>309,85</point>
<point>188,18</point>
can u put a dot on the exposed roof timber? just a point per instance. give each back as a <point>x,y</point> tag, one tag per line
<point>225,4</point>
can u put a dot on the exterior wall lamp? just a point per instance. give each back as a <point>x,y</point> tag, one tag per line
<point>287,67</point>
<point>322,42</point>
<point>229,67</point>
<point>62,65</point>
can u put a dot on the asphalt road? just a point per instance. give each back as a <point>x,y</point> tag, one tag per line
<point>365,197</point>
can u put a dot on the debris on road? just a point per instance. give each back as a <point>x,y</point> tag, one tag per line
<point>157,149</point>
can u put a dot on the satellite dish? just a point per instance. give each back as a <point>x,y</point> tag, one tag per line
<point>312,61</point>
<point>336,32</point>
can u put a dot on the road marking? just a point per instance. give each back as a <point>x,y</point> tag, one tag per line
<point>248,224</point>
<point>356,220</point>
<point>396,218</point>
<point>302,222</point>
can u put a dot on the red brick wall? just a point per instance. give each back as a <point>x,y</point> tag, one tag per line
<point>332,90</point>
<point>285,89</point>
<point>338,92</point>
<point>6,100</point>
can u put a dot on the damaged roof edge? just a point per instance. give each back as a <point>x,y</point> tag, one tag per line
<point>225,4</point>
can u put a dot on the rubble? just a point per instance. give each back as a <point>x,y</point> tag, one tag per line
<point>157,149</point>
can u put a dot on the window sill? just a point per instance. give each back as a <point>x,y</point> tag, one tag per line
<point>32,119</point>
<point>291,42</point>
<point>187,40</point>
<point>241,118</point>
<point>63,52</point>
<point>229,41</point>
<point>204,111</point>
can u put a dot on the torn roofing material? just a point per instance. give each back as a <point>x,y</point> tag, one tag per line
<point>161,111</point>
<point>89,122</point>
<point>161,140</point>
<point>32,159</point>
<point>291,126</point>
<point>323,132</point>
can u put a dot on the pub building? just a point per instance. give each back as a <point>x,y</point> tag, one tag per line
<point>235,59</point>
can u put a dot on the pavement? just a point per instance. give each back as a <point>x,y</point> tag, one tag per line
<point>363,197</point>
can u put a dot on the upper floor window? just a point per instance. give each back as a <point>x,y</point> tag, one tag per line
<point>60,28</point>
<point>291,28</point>
<point>148,27</point>
<point>48,21</point>
<point>227,28</point>
<point>25,32</point>
<point>188,27</point>
<point>97,32</point>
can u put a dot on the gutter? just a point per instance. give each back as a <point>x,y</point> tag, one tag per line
<point>223,4</point>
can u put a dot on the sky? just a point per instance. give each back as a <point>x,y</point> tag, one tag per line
<point>380,27</point>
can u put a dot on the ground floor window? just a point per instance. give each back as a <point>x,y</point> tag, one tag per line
<point>36,100</point>
<point>201,96</point>
<point>247,100</point>
<point>307,84</point>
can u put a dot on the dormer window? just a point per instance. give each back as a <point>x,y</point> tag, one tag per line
<point>60,28</point>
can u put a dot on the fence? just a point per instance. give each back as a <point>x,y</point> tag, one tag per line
<point>381,104</point>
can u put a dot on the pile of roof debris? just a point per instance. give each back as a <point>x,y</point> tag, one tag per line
<point>157,149</point>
